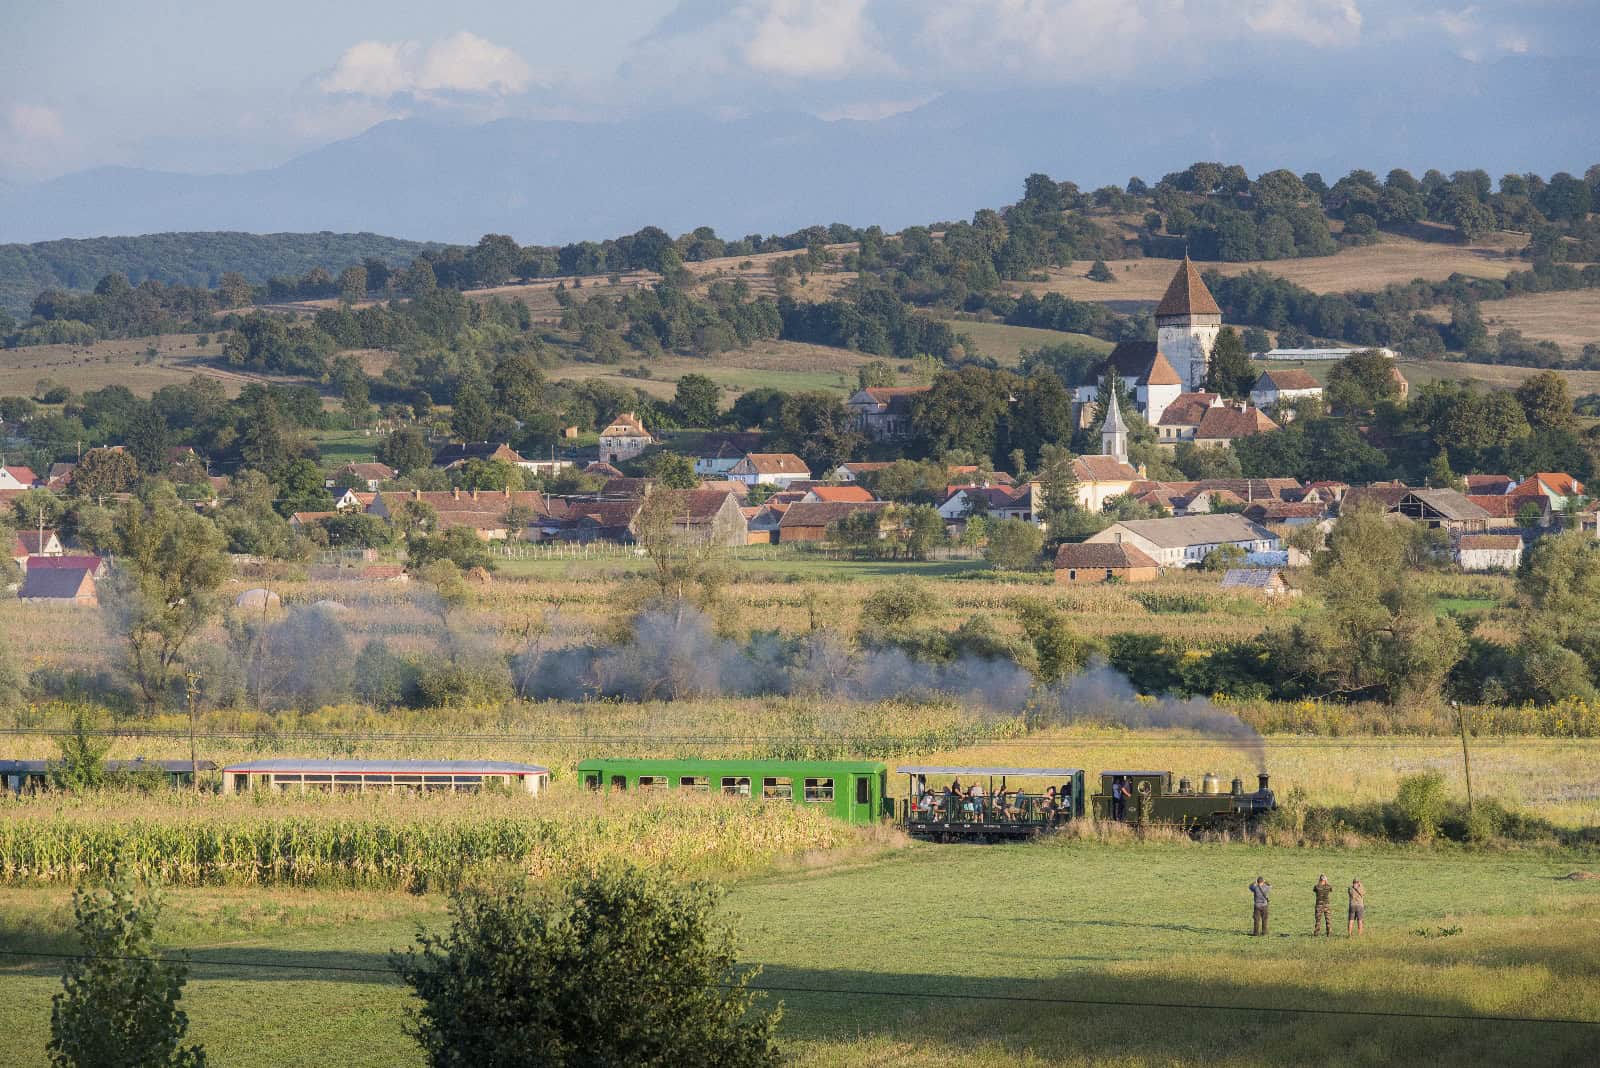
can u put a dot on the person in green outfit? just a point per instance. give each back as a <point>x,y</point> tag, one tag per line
<point>1322,920</point>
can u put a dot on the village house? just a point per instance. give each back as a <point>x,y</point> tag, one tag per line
<point>454,455</point>
<point>624,438</point>
<point>1489,552</point>
<point>485,512</point>
<point>59,478</point>
<point>769,469</point>
<point>1557,487</point>
<point>601,469</point>
<point>706,517</point>
<point>17,478</point>
<point>1226,423</point>
<point>369,474</point>
<point>627,487</point>
<point>852,472</point>
<point>1101,478</point>
<point>300,522</point>
<point>1280,387</point>
<point>1443,508</point>
<point>1487,485</point>
<point>836,493</point>
<point>36,543</point>
<point>69,586</point>
<point>95,565</point>
<point>884,412</point>
<point>1286,513</point>
<point>353,501</point>
<point>1092,562</point>
<point>810,522</point>
<point>721,459</point>
<point>1185,541</point>
<point>1181,419</point>
<point>761,523</point>
<point>1512,513</point>
<point>993,502</point>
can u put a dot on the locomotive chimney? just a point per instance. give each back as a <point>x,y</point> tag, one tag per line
<point>1263,778</point>
<point>1238,787</point>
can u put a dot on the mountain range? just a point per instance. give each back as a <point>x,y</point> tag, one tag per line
<point>551,182</point>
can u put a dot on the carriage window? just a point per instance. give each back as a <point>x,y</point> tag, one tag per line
<point>653,782</point>
<point>863,791</point>
<point>619,782</point>
<point>774,789</point>
<point>819,789</point>
<point>592,781</point>
<point>736,785</point>
<point>695,782</point>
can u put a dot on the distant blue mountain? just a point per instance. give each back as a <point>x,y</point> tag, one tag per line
<point>553,182</point>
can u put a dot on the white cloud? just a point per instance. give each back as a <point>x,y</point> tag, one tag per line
<point>460,63</point>
<point>1323,23</point>
<point>34,140</point>
<point>810,38</point>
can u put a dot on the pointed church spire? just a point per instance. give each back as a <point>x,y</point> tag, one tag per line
<point>1114,433</point>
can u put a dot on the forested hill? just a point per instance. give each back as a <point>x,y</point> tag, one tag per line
<point>193,259</point>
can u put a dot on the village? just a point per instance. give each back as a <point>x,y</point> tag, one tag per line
<point>1255,532</point>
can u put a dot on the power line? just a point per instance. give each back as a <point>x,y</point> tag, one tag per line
<point>945,995</point>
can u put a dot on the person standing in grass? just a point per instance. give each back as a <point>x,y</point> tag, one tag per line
<point>1357,921</point>
<point>1322,919</point>
<point>1260,891</point>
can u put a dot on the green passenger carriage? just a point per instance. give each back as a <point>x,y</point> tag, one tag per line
<point>853,790</point>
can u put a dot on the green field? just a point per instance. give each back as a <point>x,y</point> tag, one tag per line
<point>923,936</point>
<point>340,447</point>
<point>1007,343</point>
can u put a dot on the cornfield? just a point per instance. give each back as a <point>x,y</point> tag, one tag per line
<point>390,841</point>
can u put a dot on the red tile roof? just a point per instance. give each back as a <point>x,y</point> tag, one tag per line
<point>1102,469</point>
<point>1187,409</point>
<point>1187,294</point>
<point>1490,541</point>
<point>841,493</point>
<point>1091,555</point>
<point>1229,422</point>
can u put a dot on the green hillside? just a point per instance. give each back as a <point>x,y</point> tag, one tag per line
<point>194,259</point>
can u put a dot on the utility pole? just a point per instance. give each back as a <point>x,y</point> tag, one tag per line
<point>192,696</point>
<point>1466,760</point>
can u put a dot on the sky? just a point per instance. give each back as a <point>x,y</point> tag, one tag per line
<point>208,86</point>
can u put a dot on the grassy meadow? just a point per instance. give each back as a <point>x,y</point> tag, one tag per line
<point>921,938</point>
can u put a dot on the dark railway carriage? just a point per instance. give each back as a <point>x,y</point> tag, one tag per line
<point>944,810</point>
<point>1132,796</point>
<point>852,790</point>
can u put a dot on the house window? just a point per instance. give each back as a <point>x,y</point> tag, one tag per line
<point>1072,574</point>
<point>736,785</point>
<point>777,789</point>
<point>819,790</point>
<point>1109,575</point>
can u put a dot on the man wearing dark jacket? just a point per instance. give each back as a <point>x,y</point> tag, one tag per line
<point>1259,890</point>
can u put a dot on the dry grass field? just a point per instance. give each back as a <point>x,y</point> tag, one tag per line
<point>1394,259</point>
<point>124,363</point>
<point>786,365</point>
<point>1571,320</point>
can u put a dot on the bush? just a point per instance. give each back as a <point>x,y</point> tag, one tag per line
<point>1172,603</point>
<point>897,604</point>
<point>1421,801</point>
<point>620,967</point>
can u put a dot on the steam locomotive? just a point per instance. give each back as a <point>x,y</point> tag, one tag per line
<point>1148,796</point>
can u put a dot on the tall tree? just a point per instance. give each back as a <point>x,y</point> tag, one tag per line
<point>165,587</point>
<point>406,450</point>
<point>1362,381</point>
<point>471,418</point>
<point>697,401</point>
<point>1230,371</point>
<point>1546,402</point>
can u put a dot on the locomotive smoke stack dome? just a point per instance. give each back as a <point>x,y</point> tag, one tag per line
<point>1238,787</point>
<point>1210,784</point>
<point>1185,786</point>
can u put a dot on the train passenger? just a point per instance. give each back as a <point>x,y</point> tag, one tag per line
<point>1260,890</point>
<point>1047,804</point>
<point>1322,918</point>
<point>1066,797</point>
<point>925,802</point>
<point>1119,799</point>
<point>1356,921</point>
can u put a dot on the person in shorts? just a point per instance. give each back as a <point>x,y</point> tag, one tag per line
<point>1356,923</point>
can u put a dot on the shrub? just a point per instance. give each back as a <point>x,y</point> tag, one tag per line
<point>1421,801</point>
<point>618,967</point>
<point>898,603</point>
<point>1172,603</point>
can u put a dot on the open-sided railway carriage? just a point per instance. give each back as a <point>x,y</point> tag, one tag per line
<point>1012,802</point>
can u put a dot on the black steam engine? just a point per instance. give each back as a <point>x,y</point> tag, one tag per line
<point>1149,797</point>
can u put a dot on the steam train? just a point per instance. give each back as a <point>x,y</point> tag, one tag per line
<point>940,802</point>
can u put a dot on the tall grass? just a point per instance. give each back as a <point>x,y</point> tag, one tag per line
<point>393,841</point>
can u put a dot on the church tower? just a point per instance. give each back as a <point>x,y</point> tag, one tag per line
<point>1187,323</point>
<point>1114,434</point>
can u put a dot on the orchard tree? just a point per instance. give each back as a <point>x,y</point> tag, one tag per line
<point>1014,544</point>
<point>672,470</point>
